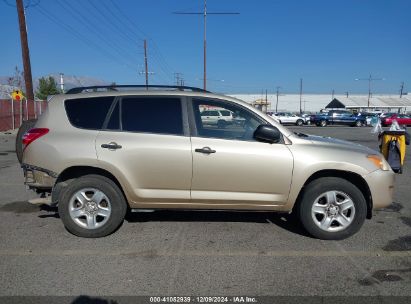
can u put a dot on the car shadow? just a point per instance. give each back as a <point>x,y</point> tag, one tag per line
<point>283,220</point>
<point>52,211</point>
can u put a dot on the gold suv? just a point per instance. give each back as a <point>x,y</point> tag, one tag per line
<point>97,152</point>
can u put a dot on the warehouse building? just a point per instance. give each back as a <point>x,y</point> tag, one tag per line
<point>312,103</point>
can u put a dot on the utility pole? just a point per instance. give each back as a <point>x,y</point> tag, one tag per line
<point>179,79</point>
<point>62,82</point>
<point>332,95</point>
<point>369,79</point>
<point>25,50</point>
<point>205,13</point>
<point>145,61</point>
<point>346,94</point>
<point>277,94</point>
<point>401,89</point>
<point>301,94</point>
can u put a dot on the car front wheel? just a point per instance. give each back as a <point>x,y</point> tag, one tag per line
<point>92,206</point>
<point>358,123</point>
<point>221,124</point>
<point>299,122</point>
<point>332,208</point>
<point>323,123</point>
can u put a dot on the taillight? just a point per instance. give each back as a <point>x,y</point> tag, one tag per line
<point>32,134</point>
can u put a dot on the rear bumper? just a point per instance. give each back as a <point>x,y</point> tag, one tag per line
<point>381,184</point>
<point>38,178</point>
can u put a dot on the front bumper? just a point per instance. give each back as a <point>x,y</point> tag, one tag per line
<point>38,178</point>
<point>381,184</point>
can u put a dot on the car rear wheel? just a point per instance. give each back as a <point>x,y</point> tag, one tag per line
<point>92,206</point>
<point>332,208</point>
<point>26,125</point>
<point>299,122</point>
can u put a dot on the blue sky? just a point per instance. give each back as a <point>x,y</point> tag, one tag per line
<point>270,43</point>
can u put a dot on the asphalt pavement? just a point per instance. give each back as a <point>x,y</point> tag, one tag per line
<point>201,253</point>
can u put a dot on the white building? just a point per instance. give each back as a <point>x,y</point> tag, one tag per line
<point>316,102</point>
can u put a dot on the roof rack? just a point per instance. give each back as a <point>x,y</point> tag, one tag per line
<point>78,90</point>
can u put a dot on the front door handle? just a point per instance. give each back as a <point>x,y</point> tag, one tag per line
<point>111,146</point>
<point>205,150</point>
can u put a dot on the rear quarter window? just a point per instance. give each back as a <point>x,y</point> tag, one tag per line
<point>158,115</point>
<point>88,113</point>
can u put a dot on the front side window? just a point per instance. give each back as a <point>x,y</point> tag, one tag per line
<point>225,113</point>
<point>159,115</point>
<point>234,123</point>
<point>88,113</point>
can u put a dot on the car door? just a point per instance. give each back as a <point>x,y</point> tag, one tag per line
<point>346,118</point>
<point>146,145</point>
<point>230,168</point>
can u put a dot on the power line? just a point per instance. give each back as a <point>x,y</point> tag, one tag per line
<point>157,58</point>
<point>369,79</point>
<point>30,3</point>
<point>79,36</point>
<point>89,25</point>
<point>133,24</point>
<point>205,13</point>
<point>120,31</point>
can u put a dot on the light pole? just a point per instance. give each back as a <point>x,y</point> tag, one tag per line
<point>277,94</point>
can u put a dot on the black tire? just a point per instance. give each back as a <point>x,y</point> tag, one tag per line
<point>299,122</point>
<point>113,193</point>
<point>323,123</point>
<point>315,190</point>
<point>221,124</point>
<point>358,123</point>
<point>26,125</point>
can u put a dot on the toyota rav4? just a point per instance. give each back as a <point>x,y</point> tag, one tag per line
<point>97,153</point>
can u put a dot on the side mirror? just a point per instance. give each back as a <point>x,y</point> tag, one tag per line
<point>268,134</point>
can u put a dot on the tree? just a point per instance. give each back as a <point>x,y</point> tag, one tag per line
<point>17,79</point>
<point>47,87</point>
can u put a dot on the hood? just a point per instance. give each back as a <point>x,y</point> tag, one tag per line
<point>336,143</point>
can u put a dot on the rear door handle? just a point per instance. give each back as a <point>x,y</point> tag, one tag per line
<point>111,146</point>
<point>205,150</point>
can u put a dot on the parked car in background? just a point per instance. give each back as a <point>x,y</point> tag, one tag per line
<point>402,119</point>
<point>338,117</point>
<point>386,114</point>
<point>307,118</point>
<point>371,118</point>
<point>219,117</point>
<point>289,118</point>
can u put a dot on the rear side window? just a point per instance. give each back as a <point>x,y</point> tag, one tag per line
<point>88,113</point>
<point>152,115</point>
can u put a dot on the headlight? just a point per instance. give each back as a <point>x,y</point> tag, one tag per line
<point>379,161</point>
